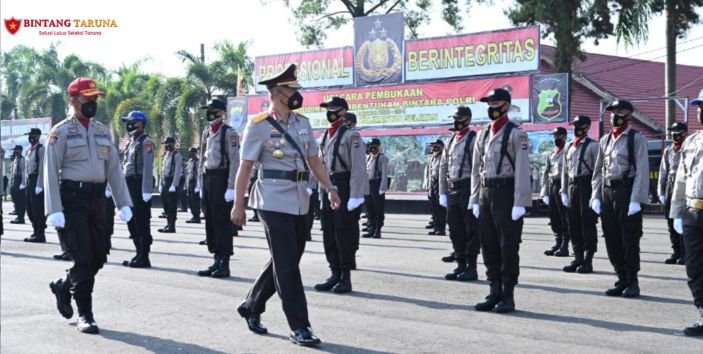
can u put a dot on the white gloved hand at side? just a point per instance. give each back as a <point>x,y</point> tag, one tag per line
<point>678,225</point>
<point>22,186</point>
<point>354,203</point>
<point>56,219</point>
<point>197,190</point>
<point>634,208</point>
<point>565,199</point>
<point>172,188</point>
<point>381,192</point>
<point>309,190</point>
<point>108,193</point>
<point>229,195</point>
<point>518,212</point>
<point>595,206</point>
<point>662,199</point>
<point>125,214</point>
<point>146,197</point>
<point>474,209</point>
<point>38,190</point>
<point>443,200</point>
<point>545,199</point>
<point>161,189</point>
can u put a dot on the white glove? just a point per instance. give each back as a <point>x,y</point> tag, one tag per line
<point>201,193</point>
<point>662,198</point>
<point>197,190</point>
<point>125,214</point>
<point>309,190</point>
<point>678,225</point>
<point>474,209</point>
<point>108,193</point>
<point>518,212</point>
<point>56,219</point>
<point>381,192</point>
<point>146,197</point>
<point>443,200</point>
<point>22,186</point>
<point>172,188</point>
<point>161,189</point>
<point>229,195</point>
<point>595,206</point>
<point>38,190</point>
<point>354,203</point>
<point>545,199</point>
<point>634,208</point>
<point>564,198</point>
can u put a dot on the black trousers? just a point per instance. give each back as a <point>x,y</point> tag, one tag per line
<point>314,208</point>
<point>582,219</point>
<point>110,219</point>
<point>500,234</point>
<point>183,195</point>
<point>558,218</point>
<point>218,226</point>
<point>19,200</point>
<point>622,232</point>
<point>677,243</point>
<point>35,206</point>
<point>286,235</point>
<point>439,213</point>
<point>693,238</point>
<point>84,238</point>
<point>375,204</point>
<point>140,224</point>
<point>170,201</point>
<point>194,200</point>
<point>463,225</point>
<point>338,230</point>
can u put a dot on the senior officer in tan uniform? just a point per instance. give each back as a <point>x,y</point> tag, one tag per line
<point>500,192</point>
<point>34,182</point>
<point>551,184</point>
<point>620,186</point>
<point>282,144</point>
<point>171,169</point>
<point>454,194</point>
<point>219,161</point>
<point>687,212</point>
<point>344,154</point>
<point>579,161</point>
<point>79,159</point>
<point>665,186</point>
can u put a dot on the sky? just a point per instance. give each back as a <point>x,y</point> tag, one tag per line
<point>152,31</point>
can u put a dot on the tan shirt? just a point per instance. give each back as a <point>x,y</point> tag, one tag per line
<point>667,169</point>
<point>432,169</point>
<point>612,164</point>
<point>171,167</point>
<point>571,162</point>
<point>489,156</point>
<point>76,154</point>
<point>689,176</point>
<point>139,161</point>
<point>32,167</point>
<point>450,164</point>
<point>211,155</point>
<point>17,168</point>
<point>192,173</point>
<point>555,166</point>
<point>382,171</point>
<point>259,143</point>
<point>352,153</point>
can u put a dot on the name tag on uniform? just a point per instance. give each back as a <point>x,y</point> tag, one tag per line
<point>302,131</point>
<point>74,136</point>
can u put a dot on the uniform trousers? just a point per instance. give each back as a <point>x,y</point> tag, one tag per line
<point>558,218</point>
<point>170,201</point>
<point>35,206</point>
<point>693,239</point>
<point>463,225</point>
<point>375,207</point>
<point>582,219</point>
<point>193,200</point>
<point>622,232</point>
<point>439,213</point>
<point>338,226</point>
<point>140,224</point>
<point>218,226</point>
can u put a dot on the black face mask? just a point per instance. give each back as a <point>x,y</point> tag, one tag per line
<point>700,116</point>
<point>559,142</point>
<point>580,132</point>
<point>33,139</point>
<point>678,137</point>
<point>211,116</point>
<point>437,148</point>
<point>459,125</point>
<point>89,109</point>
<point>618,120</point>
<point>170,147</point>
<point>131,128</point>
<point>373,149</point>
<point>295,101</point>
<point>333,116</point>
<point>495,112</point>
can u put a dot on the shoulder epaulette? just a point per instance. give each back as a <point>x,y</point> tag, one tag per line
<point>301,115</point>
<point>260,117</point>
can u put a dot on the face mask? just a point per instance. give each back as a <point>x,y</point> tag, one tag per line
<point>618,120</point>
<point>333,116</point>
<point>169,147</point>
<point>373,149</point>
<point>559,142</point>
<point>437,149</point>
<point>580,132</point>
<point>33,139</point>
<point>131,128</point>
<point>459,125</point>
<point>495,112</point>
<point>212,116</point>
<point>89,109</point>
<point>295,101</point>
<point>700,116</point>
<point>678,137</point>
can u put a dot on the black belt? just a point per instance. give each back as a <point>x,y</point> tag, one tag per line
<point>581,179</point>
<point>133,178</point>
<point>295,176</point>
<point>462,183</point>
<point>498,182</point>
<point>216,171</point>
<point>556,181</point>
<point>83,187</point>
<point>340,176</point>
<point>617,183</point>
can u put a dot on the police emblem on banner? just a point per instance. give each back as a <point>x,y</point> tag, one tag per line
<point>379,55</point>
<point>550,94</point>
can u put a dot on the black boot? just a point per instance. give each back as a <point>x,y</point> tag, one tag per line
<point>330,282</point>
<point>674,258</point>
<point>193,220</point>
<point>137,247</point>
<point>344,285</point>
<point>86,323</point>
<point>587,266</point>
<point>697,328</point>
<point>576,263</point>
<point>203,242</point>
<point>430,225</point>
<point>563,250</point>
<point>169,229</point>
<point>493,297</point>
<point>619,287</point>
<point>222,270</point>
<point>36,238</point>
<point>461,267</point>
<point>370,231</point>
<point>208,272</point>
<point>253,319</point>
<point>17,221</point>
<point>469,273</point>
<point>377,232</point>
<point>449,259</point>
<point>142,260</point>
<point>61,289</point>
<point>557,245</point>
<point>64,256</point>
<point>507,302</point>
<point>633,287</point>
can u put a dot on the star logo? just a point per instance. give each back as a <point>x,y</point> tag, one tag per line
<point>13,25</point>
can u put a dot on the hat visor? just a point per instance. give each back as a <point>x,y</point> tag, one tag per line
<point>697,101</point>
<point>291,84</point>
<point>91,93</point>
<point>128,119</point>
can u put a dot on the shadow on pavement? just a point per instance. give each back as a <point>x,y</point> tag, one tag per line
<point>155,344</point>
<point>615,326</point>
<point>327,347</point>
<point>609,273</point>
<point>602,294</point>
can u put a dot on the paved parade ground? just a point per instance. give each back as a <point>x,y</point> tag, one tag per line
<point>400,302</point>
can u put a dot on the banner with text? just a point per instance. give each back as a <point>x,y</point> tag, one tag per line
<point>507,51</point>
<point>317,68</point>
<point>418,104</point>
<point>12,132</point>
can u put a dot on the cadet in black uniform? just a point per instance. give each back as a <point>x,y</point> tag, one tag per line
<point>17,193</point>
<point>377,169</point>
<point>665,186</point>
<point>551,185</point>
<point>192,172</point>
<point>34,186</point>
<point>172,166</point>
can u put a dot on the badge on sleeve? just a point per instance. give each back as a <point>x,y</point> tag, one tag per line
<point>524,141</point>
<point>149,146</point>
<point>355,141</point>
<point>233,139</point>
<point>53,138</point>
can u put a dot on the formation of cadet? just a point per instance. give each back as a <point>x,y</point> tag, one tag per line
<point>281,143</point>
<point>33,180</point>
<point>377,170</point>
<point>80,158</point>
<point>138,170</point>
<point>343,154</point>
<point>456,166</point>
<point>665,187</point>
<point>687,212</point>
<point>171,168</point>
<point>219,161</point>
<point>17,188</point>
<point>551,187</point>
<point>191,185</point>
<point>438,222</point>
